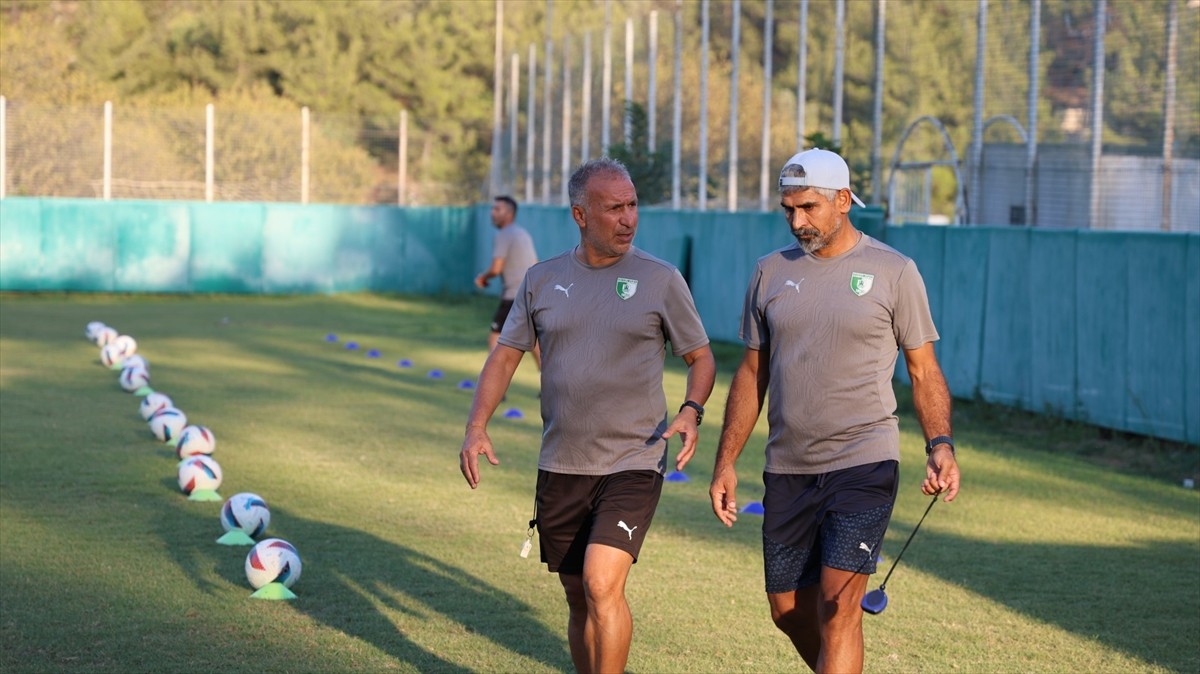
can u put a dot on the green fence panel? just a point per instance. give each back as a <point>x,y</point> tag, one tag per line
<point>20,244</point>
<point>1004,373</point>
<point>1157,282</point>
<point>153,246</point>
<point>78,247</point>
<point>434,250</point>
<point>1191,342</point>
<point>227,247</point>
<point>1052,323</point>
<point>1099,326</point>
<point>964,288</point>
<point>1101,329</point>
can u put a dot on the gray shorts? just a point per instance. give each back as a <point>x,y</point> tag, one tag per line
<point>835,519</point>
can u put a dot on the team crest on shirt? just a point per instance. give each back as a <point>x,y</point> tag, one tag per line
<point>860,283</point>
<point>626,287</point>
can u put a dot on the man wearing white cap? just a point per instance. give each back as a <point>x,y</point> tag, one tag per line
<point>823,321</point>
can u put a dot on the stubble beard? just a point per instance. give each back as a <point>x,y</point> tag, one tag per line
<point>815,240</point>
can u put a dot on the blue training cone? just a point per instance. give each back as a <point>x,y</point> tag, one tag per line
<point>513,413</point>
<point>373,353</point>
<point>752,508</point>
<point>352,345</point>
<point>677,476</point>
<point>331,337</point>
<point>466,384</point>
<point>435,374</point>
<point>404,362</point>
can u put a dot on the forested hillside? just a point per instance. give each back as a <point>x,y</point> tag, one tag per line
<point>368,60</point>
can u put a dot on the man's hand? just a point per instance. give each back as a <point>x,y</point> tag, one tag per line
<point>481,281</point>
<point>941,473</point>
<point>723,492</point>
<point>475,444</point>
<point>684,423</point>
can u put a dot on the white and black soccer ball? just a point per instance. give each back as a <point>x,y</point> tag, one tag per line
<point>105,336</point>
<point>199,472</point>
<point>135,360</point>
<point>195,441</point>
<point>126,345</point>
<point>134,378</point>
<point>93,329</point>
<point>153,404</point>
<point>110,355</point>
<point>273,561</point>
<point>168,423</point>
<point>247,513</point>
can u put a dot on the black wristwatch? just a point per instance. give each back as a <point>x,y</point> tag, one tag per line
<point>940,440</point>
<point>696,406</point>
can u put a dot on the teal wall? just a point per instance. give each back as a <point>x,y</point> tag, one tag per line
<point>1102,327</point>
<point>177,246</point>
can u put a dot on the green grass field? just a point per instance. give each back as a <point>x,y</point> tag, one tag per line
<point>1066,552</point>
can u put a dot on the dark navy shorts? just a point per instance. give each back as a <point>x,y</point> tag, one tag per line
<point>835,519</point>
<point>501,315</point>
<point>574,511</point>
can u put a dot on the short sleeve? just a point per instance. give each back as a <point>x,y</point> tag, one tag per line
<point>912,321</point>
<point>754,331</point>
<point>518,331</point>
<point>681,321</point>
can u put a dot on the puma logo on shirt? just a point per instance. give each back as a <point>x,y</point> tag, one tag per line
<point>566,291</point>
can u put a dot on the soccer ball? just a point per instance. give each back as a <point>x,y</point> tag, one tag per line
<point>93,329</point>
<point>110,354</point>
<point>168,423</point>
<point>134,378</point>
<point>126,344</point>
<point>135,361</point>
<point>105,336</point>
<point>273,561</point>
<point>245,512</point>
<point>153,404</point>
<point>195,440</point>
<point>199,472</point>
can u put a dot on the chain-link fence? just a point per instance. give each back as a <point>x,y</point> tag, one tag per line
<point>1023,136</point>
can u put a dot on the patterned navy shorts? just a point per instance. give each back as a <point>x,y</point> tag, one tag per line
<point>835,519</point>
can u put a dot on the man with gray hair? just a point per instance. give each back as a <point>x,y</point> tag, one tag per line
<point>823,321</point>
<point>602,313</point>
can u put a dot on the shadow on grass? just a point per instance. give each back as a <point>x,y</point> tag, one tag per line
<point>1128,595</point>
<point>349,578</point>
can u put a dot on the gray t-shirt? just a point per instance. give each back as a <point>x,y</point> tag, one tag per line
<point>603,333</point>
<point>832,328</point>
<point>515,245</point>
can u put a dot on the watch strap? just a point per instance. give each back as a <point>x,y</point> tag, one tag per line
<point>696,406</point>
<point>940,440</point>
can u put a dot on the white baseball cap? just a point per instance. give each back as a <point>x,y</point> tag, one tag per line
<point>821,168</point>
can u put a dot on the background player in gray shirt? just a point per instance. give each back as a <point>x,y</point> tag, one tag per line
<point>513,253</point>
<point>603,313</point>
<point>823,322</point>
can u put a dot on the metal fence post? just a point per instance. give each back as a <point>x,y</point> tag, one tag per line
<point>768,47</point>
<point>677,110</point>
<point>1168,151</point>
<point>652,95</point>
<point>3,147</point>
<point>702,204</point>
<point>877,113</point>
<point>802,75</point>
<point>1097,110</point>
<point>735,58</point>
<point>1031,143</point>
<point>107,150</point>
<point>975,199</point>
<point>208,153</point>
<point>304,154</point>
<point>839,70</point>
<point>402,152</point>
